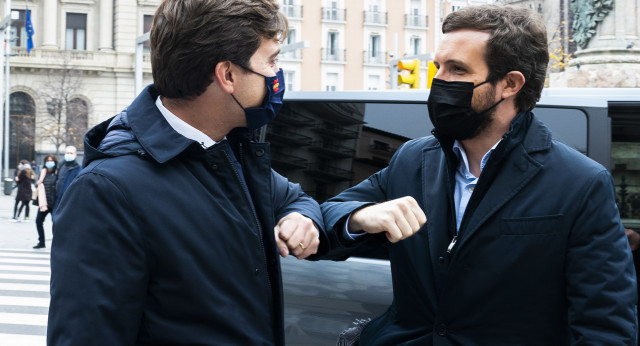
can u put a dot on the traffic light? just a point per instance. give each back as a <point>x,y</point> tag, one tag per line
<point>431,72</point>
<point>409,73</point>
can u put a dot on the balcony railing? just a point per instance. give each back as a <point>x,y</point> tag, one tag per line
<point>336,55</point>
<point>323,171</point>
<point>416,20</point>
<point>385,150</point>
<point>334,14</point>
<point>376,18</point>
<point>332,150</point>
<point>289,117</point>
<point>376,57</point>
<point>335,131</point>
<point>287,161</point>
<point>53,54</point>
<point>292,11</point>
<point>282,134</point>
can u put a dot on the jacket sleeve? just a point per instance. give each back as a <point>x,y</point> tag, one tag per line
<point>601,285</point>
<point>289,197</point>
<point>99,270</point>
<point>335,212</point>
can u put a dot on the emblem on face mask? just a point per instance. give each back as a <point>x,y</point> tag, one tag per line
<point>276,86</point>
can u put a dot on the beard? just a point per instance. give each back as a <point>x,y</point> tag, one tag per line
<point>484,105</point>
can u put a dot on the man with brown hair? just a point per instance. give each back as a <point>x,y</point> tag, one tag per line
<point>172,232</point>
<point>523,243</point>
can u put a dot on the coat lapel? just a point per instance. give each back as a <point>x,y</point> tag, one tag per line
<point>435,199</point>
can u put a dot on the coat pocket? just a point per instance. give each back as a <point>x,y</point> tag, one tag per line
<point>532,225</point>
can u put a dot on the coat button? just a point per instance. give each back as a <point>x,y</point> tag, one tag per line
<point>257,271</point>
<point>440,259</point>
<point>260,152</point>
<point>214,166</point>
<point>442,329</point>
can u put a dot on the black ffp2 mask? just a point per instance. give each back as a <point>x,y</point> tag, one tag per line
<point>450,109</point>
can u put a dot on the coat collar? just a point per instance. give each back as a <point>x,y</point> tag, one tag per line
<point>152,131</point>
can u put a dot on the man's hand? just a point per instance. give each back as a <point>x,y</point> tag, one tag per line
<point>633,237</point>
<point>399,218</point>
<point>43,208</point>
<point>297,235</point>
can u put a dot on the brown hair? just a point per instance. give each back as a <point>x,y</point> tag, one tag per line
<point>517,42</point>
<point>50,156</point>
<point>189,38</point>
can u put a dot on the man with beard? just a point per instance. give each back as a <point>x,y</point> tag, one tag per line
<point>522,242</point>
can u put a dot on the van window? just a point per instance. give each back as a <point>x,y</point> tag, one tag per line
<point>568,126</point>
<point>625,157</point>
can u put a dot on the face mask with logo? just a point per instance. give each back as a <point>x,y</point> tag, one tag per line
<point>50,164</point>
<point>450,109</point>
<point>69,157</point>
<point>260,116</point>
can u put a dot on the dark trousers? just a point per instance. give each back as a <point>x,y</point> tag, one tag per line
<point>16,211</point>
<point>39,224</point>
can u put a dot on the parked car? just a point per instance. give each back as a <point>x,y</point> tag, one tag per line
<point>329,141</point>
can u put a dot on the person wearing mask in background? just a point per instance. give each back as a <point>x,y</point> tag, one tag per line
<point>67,171</point>
<point>523,243</point>
<point>171,234</point>
<point>24,180</point>
<point>46,195</point>
<point>36,168</point>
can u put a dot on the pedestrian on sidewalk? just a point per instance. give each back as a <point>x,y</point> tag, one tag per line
<point>46,195</point>
<point>24,179</point>
<point>67,171</point>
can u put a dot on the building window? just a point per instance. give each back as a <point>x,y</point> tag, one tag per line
<point>76,34</point>
<point>146,27</point>
<point>289,77</point>
<point>332,82</point>
<point>375,54</point>
<point>374,82</point>
<point>18,30</point>
<point>414,45</point>
<point>77,122</point>
<point>332,53</point>
<point>22,127</point>
<point>290,9</point>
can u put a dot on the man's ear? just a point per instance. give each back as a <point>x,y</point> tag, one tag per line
<point>223,75</point>
<point>512,83</point>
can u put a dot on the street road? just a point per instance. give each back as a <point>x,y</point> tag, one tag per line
<point>24,278</point>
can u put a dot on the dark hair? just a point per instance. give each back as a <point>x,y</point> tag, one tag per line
<point>517,42</point>
<point>189,38</point>
<point>50,156</point>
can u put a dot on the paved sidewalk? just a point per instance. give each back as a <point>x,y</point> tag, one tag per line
<point>23,234</point>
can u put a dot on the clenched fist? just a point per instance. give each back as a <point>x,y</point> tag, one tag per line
<point>399,218</point>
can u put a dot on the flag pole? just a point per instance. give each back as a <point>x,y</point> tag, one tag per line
<point>7,35</point>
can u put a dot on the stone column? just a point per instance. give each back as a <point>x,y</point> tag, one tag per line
<point>610,57</point>
<point>50,17</point>
<point>106,25</point>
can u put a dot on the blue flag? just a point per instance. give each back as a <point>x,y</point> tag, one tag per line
<point>29,28</point>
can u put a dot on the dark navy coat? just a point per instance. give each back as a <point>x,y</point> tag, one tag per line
<point>541,256</point>
<point>156,241</point>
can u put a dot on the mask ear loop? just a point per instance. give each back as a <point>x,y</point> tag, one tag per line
<point>235,99</point>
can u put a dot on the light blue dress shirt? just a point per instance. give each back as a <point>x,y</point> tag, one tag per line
<point>465,181</point>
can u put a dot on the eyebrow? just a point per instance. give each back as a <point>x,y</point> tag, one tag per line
<point>457,62</point>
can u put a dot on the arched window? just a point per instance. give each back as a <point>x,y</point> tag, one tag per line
<point>22,128</point>
<point>77,122</point>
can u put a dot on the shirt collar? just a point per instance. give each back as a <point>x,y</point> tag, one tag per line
<point>463,166</point>
<point>181,127</point>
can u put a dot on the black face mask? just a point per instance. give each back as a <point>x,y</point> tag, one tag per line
<point>450,110</point>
